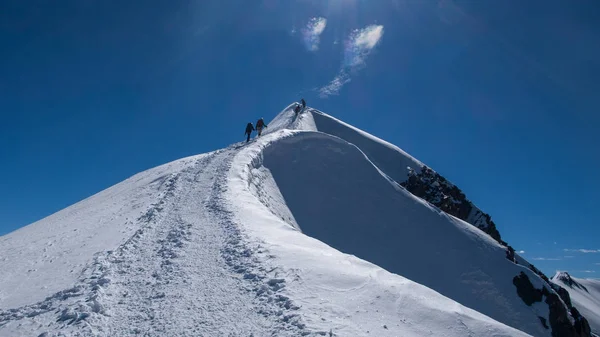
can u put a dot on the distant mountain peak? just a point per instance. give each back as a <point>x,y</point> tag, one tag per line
<point>567,280</point>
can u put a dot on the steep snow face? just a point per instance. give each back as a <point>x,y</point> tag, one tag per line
<point>401,166</point>
<point>585,296</point>
<point>387,157</point>
<point>336,292</point>
<point>338,196</point>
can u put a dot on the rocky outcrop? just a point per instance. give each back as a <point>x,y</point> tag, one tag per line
<point>582,326</point>
<point>525,289</point>
<point>510,254</point>
<point>559,320</point>
<point>432,187</point>
<point>437,190</point>
<point>559,317</point>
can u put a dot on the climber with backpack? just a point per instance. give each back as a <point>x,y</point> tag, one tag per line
<point>297,109</point>
<point>259,126</point>
<point>303,102</point>
<point>249,129</point>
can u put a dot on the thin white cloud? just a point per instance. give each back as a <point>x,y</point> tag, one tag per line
<point>521,252</point>
<point>583,250</point>
<point>546,258</point>
<point>598,264</point>
<point>359,45</point>
<point>333,88</point>
<point>568,256</point>
<point>312,32</point>
<point>587,271</point>
<point>369,36</point>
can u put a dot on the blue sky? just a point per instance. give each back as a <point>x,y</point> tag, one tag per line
<point>498,96</point>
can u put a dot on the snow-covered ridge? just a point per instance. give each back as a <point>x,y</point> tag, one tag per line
<point>351,291</point>
<point>299,232</point>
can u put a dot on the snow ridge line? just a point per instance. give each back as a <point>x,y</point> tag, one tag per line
<point>75,306</point>
<point>245,258</point>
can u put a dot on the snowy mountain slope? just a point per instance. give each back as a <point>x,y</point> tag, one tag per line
<point>420,180</point>
<point>213,245</point>
<point>385,225</point>
<point>585,296</point>
<point>432,187</point>
<point>336,292</point>
<point>181,272</point>
<point>197,247</point>
<point>61,244</point>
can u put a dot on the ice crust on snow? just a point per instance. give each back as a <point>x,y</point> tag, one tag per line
<point>303,231</point>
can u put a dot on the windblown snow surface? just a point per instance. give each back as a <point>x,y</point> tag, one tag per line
<point>302,232</point>
<point>585,296</point>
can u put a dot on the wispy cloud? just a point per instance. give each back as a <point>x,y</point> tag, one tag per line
<point>357,48</point>
<point>312,32</point>
<point>598,264</point>
<point>333,88</point>
<point>546,258</point>
<point>587,271</point>
<point>583,250</point>
<point>568,256</point>
<point>360,44</point>
<point>521,252</point>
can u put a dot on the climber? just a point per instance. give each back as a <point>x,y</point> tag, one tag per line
<point>259,126</point>
<point>249,129</point>
<point>303,102</point>
<point>297,109</point>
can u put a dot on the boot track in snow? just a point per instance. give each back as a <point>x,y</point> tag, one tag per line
<point>187,250</point>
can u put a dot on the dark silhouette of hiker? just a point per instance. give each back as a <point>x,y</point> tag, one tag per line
<point>297,109</point>
<point>249,129</point>
<point>260,124</point>
<point>303,102</point>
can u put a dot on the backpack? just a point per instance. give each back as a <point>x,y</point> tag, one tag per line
<point>260,123</point>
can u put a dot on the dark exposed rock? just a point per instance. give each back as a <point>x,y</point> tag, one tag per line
<point>510,254</point>
<point>435,189</point>
<point>543,320</point>
<point>563,293</point>
<point>582,326</point>
<point>559,316</point>
<point>526,291</point>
